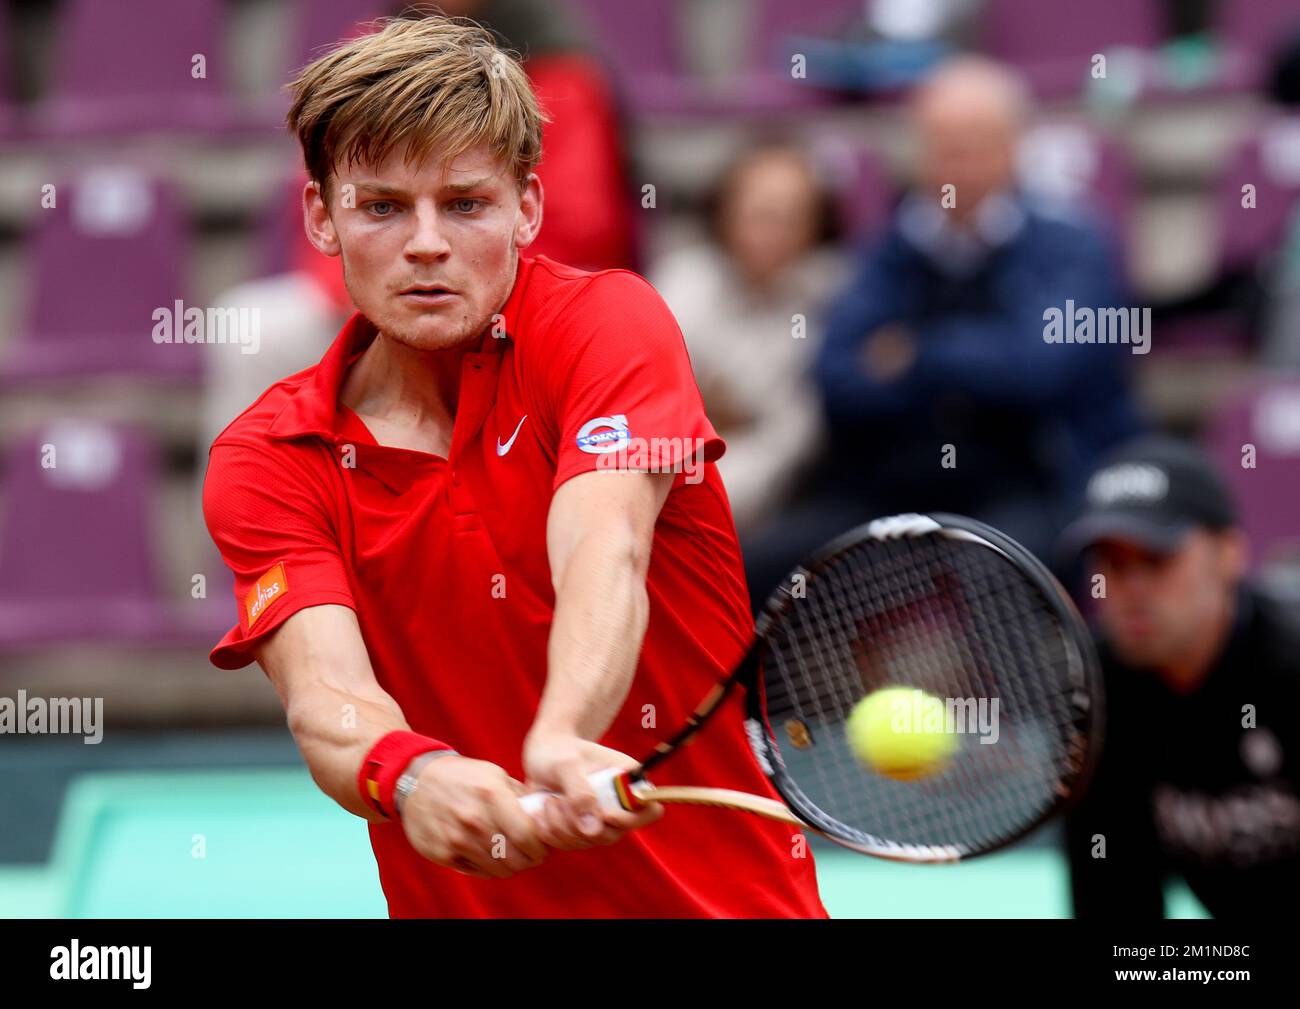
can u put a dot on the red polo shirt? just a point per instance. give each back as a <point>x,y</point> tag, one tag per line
<point>444,562</point>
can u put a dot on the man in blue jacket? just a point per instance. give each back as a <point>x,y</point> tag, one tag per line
<point>943,383</point>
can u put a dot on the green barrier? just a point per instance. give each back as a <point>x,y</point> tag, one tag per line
<point>245,844</point>
<point>268,843</point>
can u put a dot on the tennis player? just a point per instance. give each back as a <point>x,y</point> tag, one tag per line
<point>482,547</point>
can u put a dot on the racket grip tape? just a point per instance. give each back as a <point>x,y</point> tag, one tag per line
<point>613,787</point>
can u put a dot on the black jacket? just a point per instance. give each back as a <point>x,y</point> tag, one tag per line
<point>1185,786</point>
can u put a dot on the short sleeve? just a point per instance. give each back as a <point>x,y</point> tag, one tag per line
<point>269,517</point>
<point>622,387</point>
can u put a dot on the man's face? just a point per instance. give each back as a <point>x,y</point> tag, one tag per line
<point>968,142</point>
<point>1159,607</point>
<point>429,251</point>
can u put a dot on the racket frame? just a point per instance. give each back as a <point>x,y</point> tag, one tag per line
<point>1087,707</point>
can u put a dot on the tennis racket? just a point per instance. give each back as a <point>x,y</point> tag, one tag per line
<point>938,603</point>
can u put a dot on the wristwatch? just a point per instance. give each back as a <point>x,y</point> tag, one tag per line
<point>411,776</point>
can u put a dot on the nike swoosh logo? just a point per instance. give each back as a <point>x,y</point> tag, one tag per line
<point>503,449</point>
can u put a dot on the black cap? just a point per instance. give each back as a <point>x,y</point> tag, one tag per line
<point>1152,491</point>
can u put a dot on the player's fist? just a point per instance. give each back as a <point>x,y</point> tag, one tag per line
<point>574,819</point>
<point>465,814</point>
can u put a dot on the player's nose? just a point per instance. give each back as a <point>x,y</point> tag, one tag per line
<point>427,239</point>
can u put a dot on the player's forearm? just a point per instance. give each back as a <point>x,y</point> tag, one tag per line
<point>601,612</point>
<point>334,730</point>
<point>335,708</point>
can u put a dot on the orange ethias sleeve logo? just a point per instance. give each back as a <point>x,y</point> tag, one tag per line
<point>270,587</point>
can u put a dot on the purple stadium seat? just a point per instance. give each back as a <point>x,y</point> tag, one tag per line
<point>1268,159</point>
<point>1251,30</point>
<point>279,233</point>
<point>1267,417</point>
<point>1053,43</point>
<point>643,45</point>
<point>764,83</point>
<point>778,22</point>
<point>102,261</point>
<point>315,27</point>
<point>640,42</point>
<point>318,25</point>
<point>864,193</point>
<point>77,554</point>
<point>128,67</point>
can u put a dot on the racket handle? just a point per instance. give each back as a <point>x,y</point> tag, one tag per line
<point>609,785</point>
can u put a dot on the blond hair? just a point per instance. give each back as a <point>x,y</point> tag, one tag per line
<point>416,85</point>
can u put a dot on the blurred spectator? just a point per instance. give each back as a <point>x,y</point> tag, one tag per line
<point>587,220</point>
<point>1201,763</point>
<point>750,305</point>
<point>584,167</point>
<point>299,312</point>
<point>939,385</point>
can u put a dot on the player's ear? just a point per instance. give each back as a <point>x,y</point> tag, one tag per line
<point>317,221</point>
<point>529,220</point>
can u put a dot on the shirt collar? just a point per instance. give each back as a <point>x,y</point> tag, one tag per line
<point>313,407</point>
<point>996,222</point>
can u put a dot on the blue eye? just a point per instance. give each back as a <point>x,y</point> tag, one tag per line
<point>373,207</point>
<point>467,206</point>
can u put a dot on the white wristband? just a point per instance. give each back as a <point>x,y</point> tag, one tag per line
<point>411,776</point>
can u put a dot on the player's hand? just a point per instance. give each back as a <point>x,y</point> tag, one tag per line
<point>574,819</point>
<point>465,814</point>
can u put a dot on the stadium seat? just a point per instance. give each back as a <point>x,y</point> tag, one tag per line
<point>77,551</point>
<point>858,177</point>
<point>279,228</point>
<point>318,25</point>
<point>642,46</point>
<point>779,21</point>
<point>1267,417</point>
<point>1269,159</point>
<point>1250,32</point>
<point>314,27</point>
<point>1054,43</point>
<point>766,83</point>
<point>109,254</point>
<point>131,68</point>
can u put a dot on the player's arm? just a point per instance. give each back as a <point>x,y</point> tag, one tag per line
<point>599,533</point>
<point>337,712</point>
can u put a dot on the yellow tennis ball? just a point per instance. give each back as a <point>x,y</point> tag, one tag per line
<point>900,733</point>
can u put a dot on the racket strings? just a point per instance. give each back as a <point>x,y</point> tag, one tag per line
<point>958,621</point>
